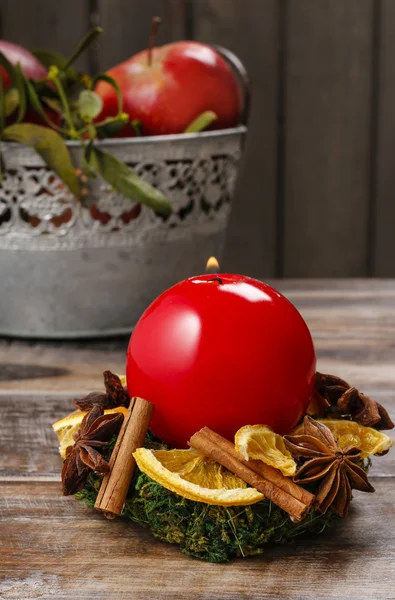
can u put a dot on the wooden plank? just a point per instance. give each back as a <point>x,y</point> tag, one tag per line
<point>327,148</point>
<point>55,547</point>
<point>51,546</point>
<point>29,447</point>
<point>46,24</point>
<point>69,366</point>
<point>250,29</point>
<point>352,323</point>
<point>127,26</point>
<point>384,258</point>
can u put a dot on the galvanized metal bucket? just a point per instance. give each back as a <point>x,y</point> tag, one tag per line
<point>69,271</point>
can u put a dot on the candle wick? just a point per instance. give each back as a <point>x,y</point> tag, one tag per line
<point>216,279</point>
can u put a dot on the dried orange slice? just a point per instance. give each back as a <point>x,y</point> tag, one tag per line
<point>123,379</point>
<point>349,433</point>
<point>260,442</point>
<point>66,428</point>
<point>368,440</point>
<point>191,475</point>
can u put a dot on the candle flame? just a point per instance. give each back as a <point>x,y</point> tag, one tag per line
<point>212,265</point>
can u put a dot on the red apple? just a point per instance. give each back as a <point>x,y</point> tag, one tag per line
<point>183,80</point>
<point>33,69</point>
<point>15,54</point>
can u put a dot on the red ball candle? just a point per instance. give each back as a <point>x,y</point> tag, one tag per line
<point>221,351</point>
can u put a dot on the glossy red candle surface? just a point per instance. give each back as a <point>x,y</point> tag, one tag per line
<point>222,351</point>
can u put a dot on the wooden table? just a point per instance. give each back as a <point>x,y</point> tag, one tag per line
<point>55,547</point>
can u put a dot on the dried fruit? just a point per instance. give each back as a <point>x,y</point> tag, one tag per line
<point>349,433</point>
<point>337,468</point>
<point>260,442</point>
<point>191,475</point>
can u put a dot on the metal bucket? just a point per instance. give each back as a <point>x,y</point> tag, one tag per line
<point>70,271</point>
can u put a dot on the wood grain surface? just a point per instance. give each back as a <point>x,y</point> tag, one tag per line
<point>384,209</point>
<point>126,27</point>
<point>45,24</point>
<point>352,323</point>
<point>55,547</point>
<point>252,236</point>
<point>315,191</point>
<point>327,137</point>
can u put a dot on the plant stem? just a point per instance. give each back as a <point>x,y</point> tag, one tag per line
<point>53,76</point>
<point>90,37</point>
<point>156,21</point>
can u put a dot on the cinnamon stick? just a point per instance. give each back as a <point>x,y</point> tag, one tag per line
<point>215,446</point>
<point>115,484</point>
<point>266,471</point>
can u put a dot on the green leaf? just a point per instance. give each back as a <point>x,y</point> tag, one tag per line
<point>69,77</point>
<point>17,81</point>
<point>111,126</point>
<point>89,105</point>
<point>53,104</point>
<point>44,89</point>
<point>11,101</point>
<point>85,163</point>
<point>126,181</point>
<point>50,57</point>
<point>201,122</point>
<point>136,124</point>
<point>20,86</point>
<point>35,102</point>
<point>9,68</point>
<point>50,146</point>
<point>114,84</point>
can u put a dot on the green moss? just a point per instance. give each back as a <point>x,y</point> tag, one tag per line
<point>213,533</point>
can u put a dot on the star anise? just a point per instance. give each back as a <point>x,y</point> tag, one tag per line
<point>92,438</point>
<point>325,460</point>
<point>335,396</point>
<point>115,395</point>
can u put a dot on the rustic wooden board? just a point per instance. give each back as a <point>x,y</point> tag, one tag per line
<point>28,445</point>
<point>51,546</point>
<point>28,420</point>
<point>352,323</point>
<point>250,29</point>
<point>384,238</point>
<point>127,26</point>
<point>46,24</point>
<point>56,547</point>
<point>314,196</point>
<point>327,145</point>
<point>55,366</point>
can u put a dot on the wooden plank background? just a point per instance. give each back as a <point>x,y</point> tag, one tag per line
<point>315,193</point>
<point>55,547</point>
